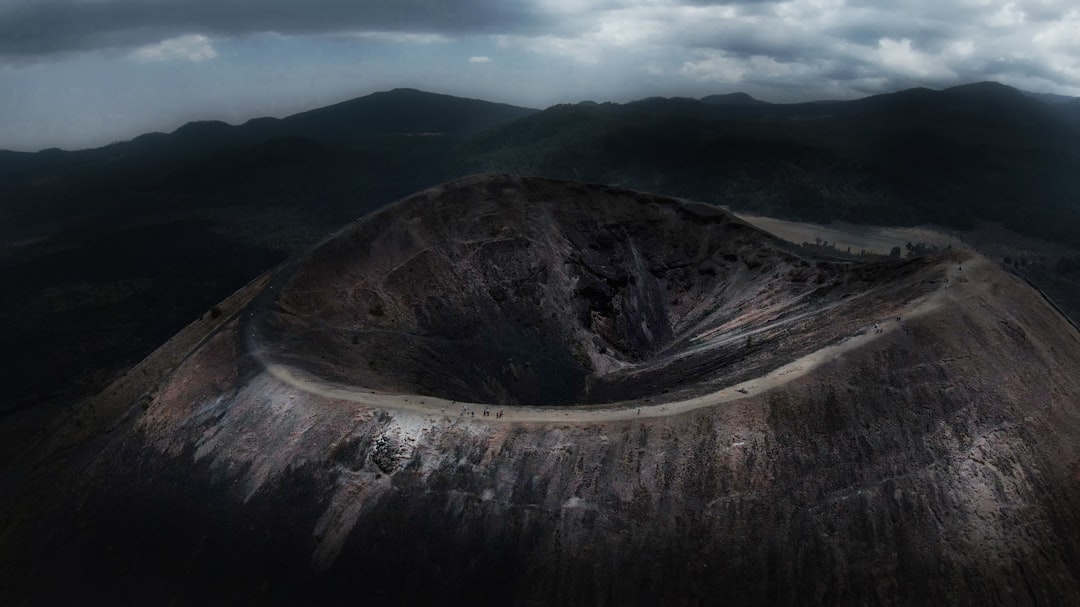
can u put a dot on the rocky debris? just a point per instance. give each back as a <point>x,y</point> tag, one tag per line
<point>385,453</point>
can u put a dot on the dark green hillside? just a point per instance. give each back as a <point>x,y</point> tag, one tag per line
<point>975,152</point>
<point>732,99</point>
<point>400,111</point>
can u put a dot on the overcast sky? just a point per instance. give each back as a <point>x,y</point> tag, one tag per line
<point>82,73</point>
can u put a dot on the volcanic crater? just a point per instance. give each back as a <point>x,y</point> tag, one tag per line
<point>538,292</point>
<point>278,452</point>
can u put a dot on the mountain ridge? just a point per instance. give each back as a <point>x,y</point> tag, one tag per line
<point>737,98</point>
<point>732,99</point>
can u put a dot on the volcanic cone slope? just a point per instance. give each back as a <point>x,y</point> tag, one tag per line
<point>263,457</point>
<point>538,292</point>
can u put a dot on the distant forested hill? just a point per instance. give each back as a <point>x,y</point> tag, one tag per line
<point>954,157</point>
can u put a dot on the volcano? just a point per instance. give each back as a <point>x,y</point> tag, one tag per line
<point>510,390</point>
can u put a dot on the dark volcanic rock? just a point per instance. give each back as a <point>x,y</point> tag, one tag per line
<point>936,462</point>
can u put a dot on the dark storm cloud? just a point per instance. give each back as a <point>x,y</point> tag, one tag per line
<point>727,2</point>
<point>42,28</point>
<point>868,33</point>
<point>994,68</point>
<point>798,48</point>
<point>870,46</point>
<point>792,30</point>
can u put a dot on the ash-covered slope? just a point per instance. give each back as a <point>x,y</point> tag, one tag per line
<point>936,461</point>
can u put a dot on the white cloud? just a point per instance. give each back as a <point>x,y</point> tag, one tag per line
<point>717,66</point>
<point>1010,15</point>
<point>827,45</point>
<point>191,47</point>
<point>899,56</point>
<point>579,50</point>
<point>961,48</point>
<point>402,37</point>
<point>1062,35</point>
<point>616,28</point>
<point>1059,46</point>
<point>480,59</point>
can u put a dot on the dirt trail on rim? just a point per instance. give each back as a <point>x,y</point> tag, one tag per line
<point>963,282</point>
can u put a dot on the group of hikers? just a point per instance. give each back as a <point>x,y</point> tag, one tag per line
<point>879,329</point>
<point>487,412</point>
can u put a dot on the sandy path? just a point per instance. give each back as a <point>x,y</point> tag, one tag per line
<point>438,407</point>
<point>878,240</point>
